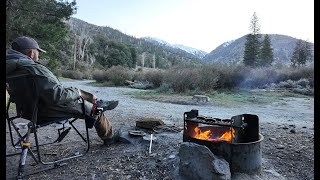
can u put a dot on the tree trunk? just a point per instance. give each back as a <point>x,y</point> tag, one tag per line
<point>142,59</point>
<point>154,61</point>
<point>75,52</point>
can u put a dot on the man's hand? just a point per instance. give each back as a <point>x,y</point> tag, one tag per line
<point>76,90</point>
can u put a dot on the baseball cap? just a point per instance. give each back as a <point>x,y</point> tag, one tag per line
<point>25,42</point>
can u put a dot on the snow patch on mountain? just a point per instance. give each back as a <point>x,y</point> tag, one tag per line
<point>227,43</point>
<point>196,52</point>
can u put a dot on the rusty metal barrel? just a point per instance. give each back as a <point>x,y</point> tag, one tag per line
<point>246,157</point>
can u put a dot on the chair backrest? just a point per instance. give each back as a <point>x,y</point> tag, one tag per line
<point>24,92</point>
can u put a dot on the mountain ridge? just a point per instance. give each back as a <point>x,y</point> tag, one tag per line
<point>232,52</point>
<point>198,53</point>
<point>151,49</point>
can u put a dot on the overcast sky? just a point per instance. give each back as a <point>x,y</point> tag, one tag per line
<point>201,24</point>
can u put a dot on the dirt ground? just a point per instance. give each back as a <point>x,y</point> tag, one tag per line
<point>287,148</point>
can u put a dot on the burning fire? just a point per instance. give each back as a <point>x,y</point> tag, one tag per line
<point>207,135</point>
<point>227,136</point>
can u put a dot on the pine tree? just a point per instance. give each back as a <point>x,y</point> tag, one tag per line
<point>42,20</point>
<point>252,45</point>
<point>295,55</point>
<point>308,51</point>
<point>249,51</point>
<point>266,52</point>
<point>301,53</point>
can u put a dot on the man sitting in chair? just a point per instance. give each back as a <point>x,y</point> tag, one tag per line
<point>55,99</point>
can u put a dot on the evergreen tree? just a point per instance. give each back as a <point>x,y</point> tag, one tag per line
<point>252,45</point>
<point>301,53</point>
<point>308,51</point>
<point>266,52</point>
<point>249,51</point>
<point>53,65</point>
<point>40,19</point>
<point>112,53</point>
<point>133,62</point>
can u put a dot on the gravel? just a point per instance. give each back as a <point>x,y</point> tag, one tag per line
<point>287,149</point>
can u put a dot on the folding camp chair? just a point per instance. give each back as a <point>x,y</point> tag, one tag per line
<point>24,92</point>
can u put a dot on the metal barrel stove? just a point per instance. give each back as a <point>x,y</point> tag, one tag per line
<point>243,152</point>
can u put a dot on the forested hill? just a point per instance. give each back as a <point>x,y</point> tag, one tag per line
<point>81,45</point>
<point>91,42</point>
<point>232,52</point>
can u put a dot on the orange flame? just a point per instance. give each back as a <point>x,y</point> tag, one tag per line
<point>202,135</point>
<point>206,135</point>
<point>227,136</point>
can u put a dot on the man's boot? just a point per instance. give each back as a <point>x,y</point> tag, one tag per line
<point>106,105</point>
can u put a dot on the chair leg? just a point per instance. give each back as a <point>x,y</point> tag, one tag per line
<point>27,149</point>
<point>24,153</point>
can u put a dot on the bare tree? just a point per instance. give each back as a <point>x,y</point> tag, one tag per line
<point>82,38</point>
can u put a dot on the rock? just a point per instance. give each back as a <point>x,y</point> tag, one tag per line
<point>272,139</point>
<point>166,178</point>
<point>273,172</point>
<point>280,146</point>
<point>124,136</point>
<point>149,123</point>
<point>127,82</point>
<point>148,138</point>
<point>198,162</point>
<point>140,84</point>
<point>292,125</point>
<point>22,125</point>
<point>293,131</point>
<point>201,98</point>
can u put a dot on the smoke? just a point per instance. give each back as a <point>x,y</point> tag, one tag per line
<point>259,78</point>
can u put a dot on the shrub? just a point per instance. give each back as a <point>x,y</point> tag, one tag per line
<point>117,75</point>
<point>303,82</point>
<point>87,74</point>
<point>287,84</point>
<point>139,76</point>
<point>182,79</point>
<point>99,75</point>
<point>72,74</point>
<point>232,76</point>
<point>305,91</point>
<point>208,78</point>
<point>155,77</point>
<point>165,88</point>
<point>296,73</point>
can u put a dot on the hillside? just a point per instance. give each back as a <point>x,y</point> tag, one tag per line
<point>148,53</point>
<point>232,51</point>
<point>153,52</point>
